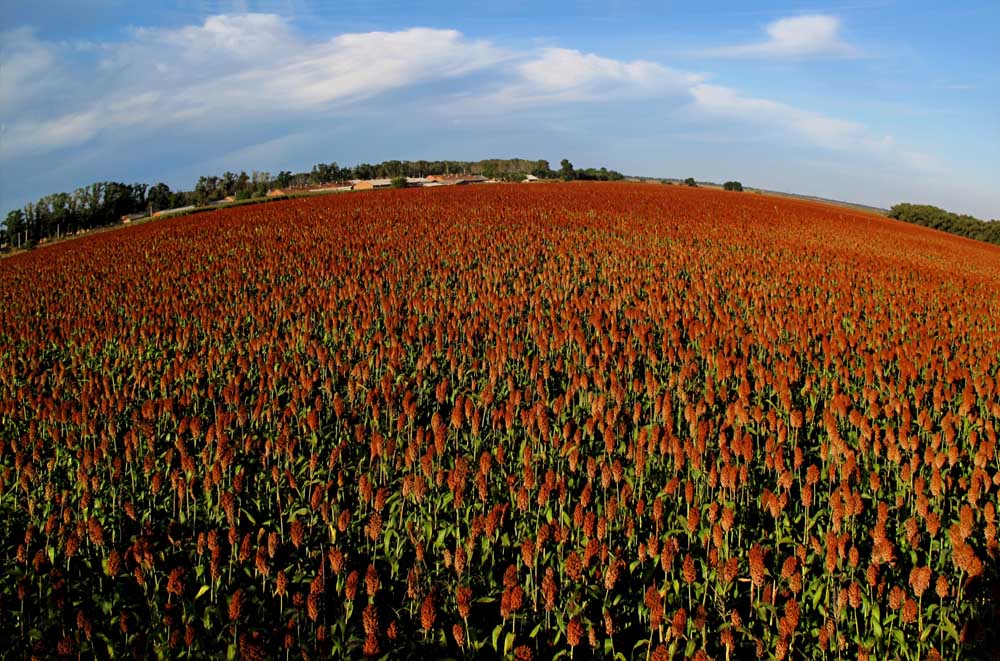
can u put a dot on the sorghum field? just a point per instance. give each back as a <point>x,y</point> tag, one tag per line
<point>579,421</point>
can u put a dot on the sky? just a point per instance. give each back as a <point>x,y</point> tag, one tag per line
<point>869,101</point>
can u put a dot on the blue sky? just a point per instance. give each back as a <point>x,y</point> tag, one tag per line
<point>864,100</point>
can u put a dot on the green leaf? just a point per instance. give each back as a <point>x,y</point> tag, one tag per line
<point>949,628</point>
<point>817,596</point>
<point>496,637</point>
<point>202,590</point>
<point>508,643</point>
<point>876,621</point>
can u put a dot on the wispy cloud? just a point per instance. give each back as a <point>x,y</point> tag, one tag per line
<point>163,85</point>
<point>247,66</point>
<point>816,128</point>
<point>814,35</point>
<point>554,76</point>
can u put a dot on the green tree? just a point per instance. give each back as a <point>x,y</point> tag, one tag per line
<point>946,221</point>
<point>158,197</point>
<point>398,182</point>
<point>242,183</point>
<point>566,171</point>
<point>14,226</point>
<point>690,182</point>
<point>542,170</point>
<point>229,183</point>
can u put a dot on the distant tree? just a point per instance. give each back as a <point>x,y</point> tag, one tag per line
<point>566,171</point>
<point>946,221</point>
<point>242,183</point>
<point>284,179</point>
<point>14,226</point>
<point>690,182</point>
<point>159,197</point>
<point>398,182</point>
<point>208,189</point>
<point>733,185</point>
<point>229,183</point>
<point>593,174</point>
<point>490,170</point>
<point>542,170</point>
<point>327,173</point>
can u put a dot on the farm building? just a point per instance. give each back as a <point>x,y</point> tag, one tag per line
<point>307,190</point>
<point>128,218</point>
<point>457,179</point>
<point>170,212</point>
<point>370,184</point>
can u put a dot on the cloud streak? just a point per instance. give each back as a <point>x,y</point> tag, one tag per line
<point>252,67</point>
<point>241,73</point>
<point>814,128</point>
<point>556,76</point>
<point>808,36</point>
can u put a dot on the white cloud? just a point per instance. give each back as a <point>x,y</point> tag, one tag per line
<point>34,137</point>
<point>240,37</point>
<point>554,76</point>
<point>237,73</point>
<point>359,66</point>
<point>25,69</point>
<point>821,130</point>
<point>251,67</point>
<point>827,132</point>
<point>586,76</point>
<point>815,35</point>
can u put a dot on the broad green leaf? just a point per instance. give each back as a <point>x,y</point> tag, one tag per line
<point>496,637</point>
<point>508,642</point>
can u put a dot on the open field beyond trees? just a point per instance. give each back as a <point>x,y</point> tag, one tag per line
<point>580,420</point>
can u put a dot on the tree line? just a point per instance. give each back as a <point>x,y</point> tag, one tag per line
<point>105,203</point>
<point>946,221</point>
<point>568,173</point>
<point>96,205</point>
<point>498,168</point>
